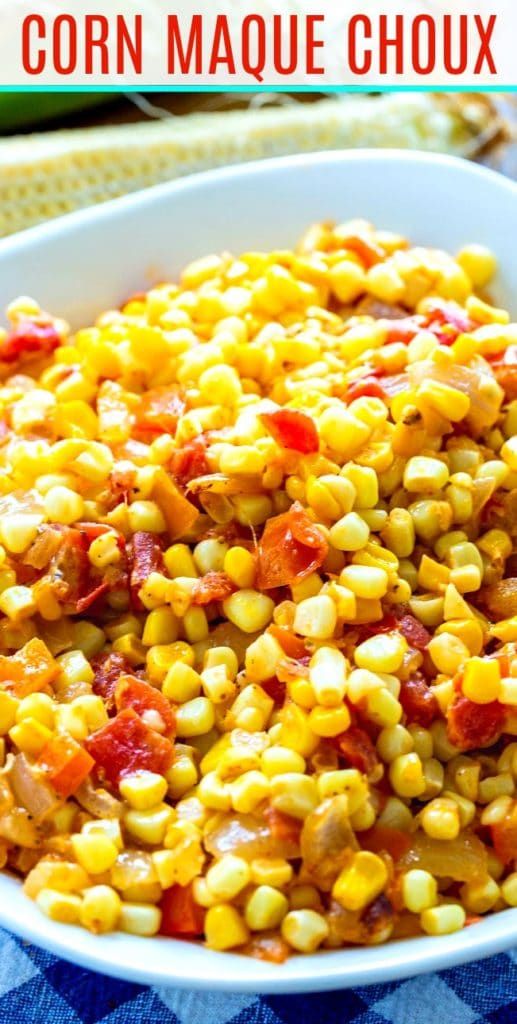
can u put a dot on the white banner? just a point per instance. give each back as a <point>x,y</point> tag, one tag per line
<point>258,43</point>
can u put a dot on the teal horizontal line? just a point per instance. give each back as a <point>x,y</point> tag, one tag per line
<point>123,88</point>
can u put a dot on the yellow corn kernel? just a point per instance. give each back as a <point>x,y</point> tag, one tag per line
<point>222,656</point>
<point>441,819</point>
<point>329,721</point>
<point>407,775</point>
<point>382,653</point>
<point>239,564</point>
<point>100,909</point>
<point>343,432</point>
<point>393,741</point>
<point>419,890</point>
<point>448,653</point>
<point>161,627</point>
<point>38,706</point>
<point>143,789</point>
<point>350,533</point>
<point>139,919</point>
<point>316,617</point>
<point>227,877</point>
<point>88,638</point>
<point>225,928</point>
<point>265,908</point>
<point>95,852</point>
<point>432,575</point>
<point>249,610</point>
<point>295,731</point>
<point>216,684</point>
<point>17,531</point>
<point>443,920</point>
<point>17,602</point>
<point>8,708</point>
<point>495,786</point>
<point>365,581</point>
<point>149,826</point>
<point>214,793</point>
<point>481,896</point>
<point>63,505</point>
<point>248,791</point>
<point>271,871</point>
<point>345,781</point>
<point>181,776</point>
<point>195,717</point>
<point>482,680</point>
<point>262,658</point>
<point>478,262</point>
<point>59,906</point>
<point>30,736</point>
<point>360,882</point>
<point>182,683</point>
<point>509,890</point>
<point>277,760</point>
<point>327,674</point>
<point>294,794</point>
<point>304,930</point>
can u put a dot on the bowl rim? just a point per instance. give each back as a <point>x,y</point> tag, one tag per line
<point>148,961</point>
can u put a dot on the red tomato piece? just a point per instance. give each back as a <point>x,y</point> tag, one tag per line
<point>148,702</point>
<point>403,329</point>
<point>66,763</point>
<point>159,411</point>
<point>29,339</point>
<point>291,547</point>
<point>447,320</point>
<point>473,725</point>
<point>292,645</point>
<point>504,836</point>
<point>274,689</point>
<point>213,586</point>
<point>190,462</point>
<point>357,748</point>
<point>365,386</point>
<point>108,669</point>
<point>145,557</point>
<point>368,251</point>
<point>292,429</point>
<point>415,633</point>
<point>126,745</point>
<point>181,915</point>
<point>384,838</point>
<point>506,376</point>
<point>418,701</point>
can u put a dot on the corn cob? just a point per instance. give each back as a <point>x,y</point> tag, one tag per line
<point>46,175</point>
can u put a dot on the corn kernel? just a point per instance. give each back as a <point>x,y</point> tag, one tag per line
<point>304,930</point>
<point>361,882</point>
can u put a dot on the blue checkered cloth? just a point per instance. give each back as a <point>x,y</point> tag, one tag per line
<point>37,988</point>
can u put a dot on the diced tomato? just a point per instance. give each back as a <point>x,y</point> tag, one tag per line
<point>108,669</point>
<point>368,251</point>
<point>126,745</point>
<point>446,320</point>
<point>357,748</point>
<point>403,329</point>
<point>506,377</point>
<point>365,386</point>
<point>213,586</point>
<point>131,692</point>
<point>418,701</point>
<point>145,557</point>
<point>386,625</point>
<point>66,763</point>
<point>181,915</point>
<point>381,838</point>
<point>282,826</point>
<point>291,548</point>
<point>274,689</point>
<point>473,725</point>
<point>415,633</point>
<point>29,339</point>
<point>292,429</point>
<point>292,645</point>
<point>159,411</point>
<point>189,462</point>
<point>30,669</point>
<point>504,836</point>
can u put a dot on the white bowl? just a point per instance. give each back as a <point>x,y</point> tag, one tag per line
<point>92,260</point>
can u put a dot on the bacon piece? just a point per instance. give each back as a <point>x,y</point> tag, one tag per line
<point>213,586</point>
<point>131,692</point>
<point>473,725</point>
<point>189,462</point>
<point>181,915</point>
<point>357,748</point>
<point>418,701</point>
<point>29,339</point>
<point>108,669</point>
<point>415,633</point>
<point>126,745</point>
<point>365,386</point>
<point>159,411</point>
<point>145,557</point>
<point>65,763</point>
<point>292,429</point>
<point>274,689</point>
<point>291,548</point>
